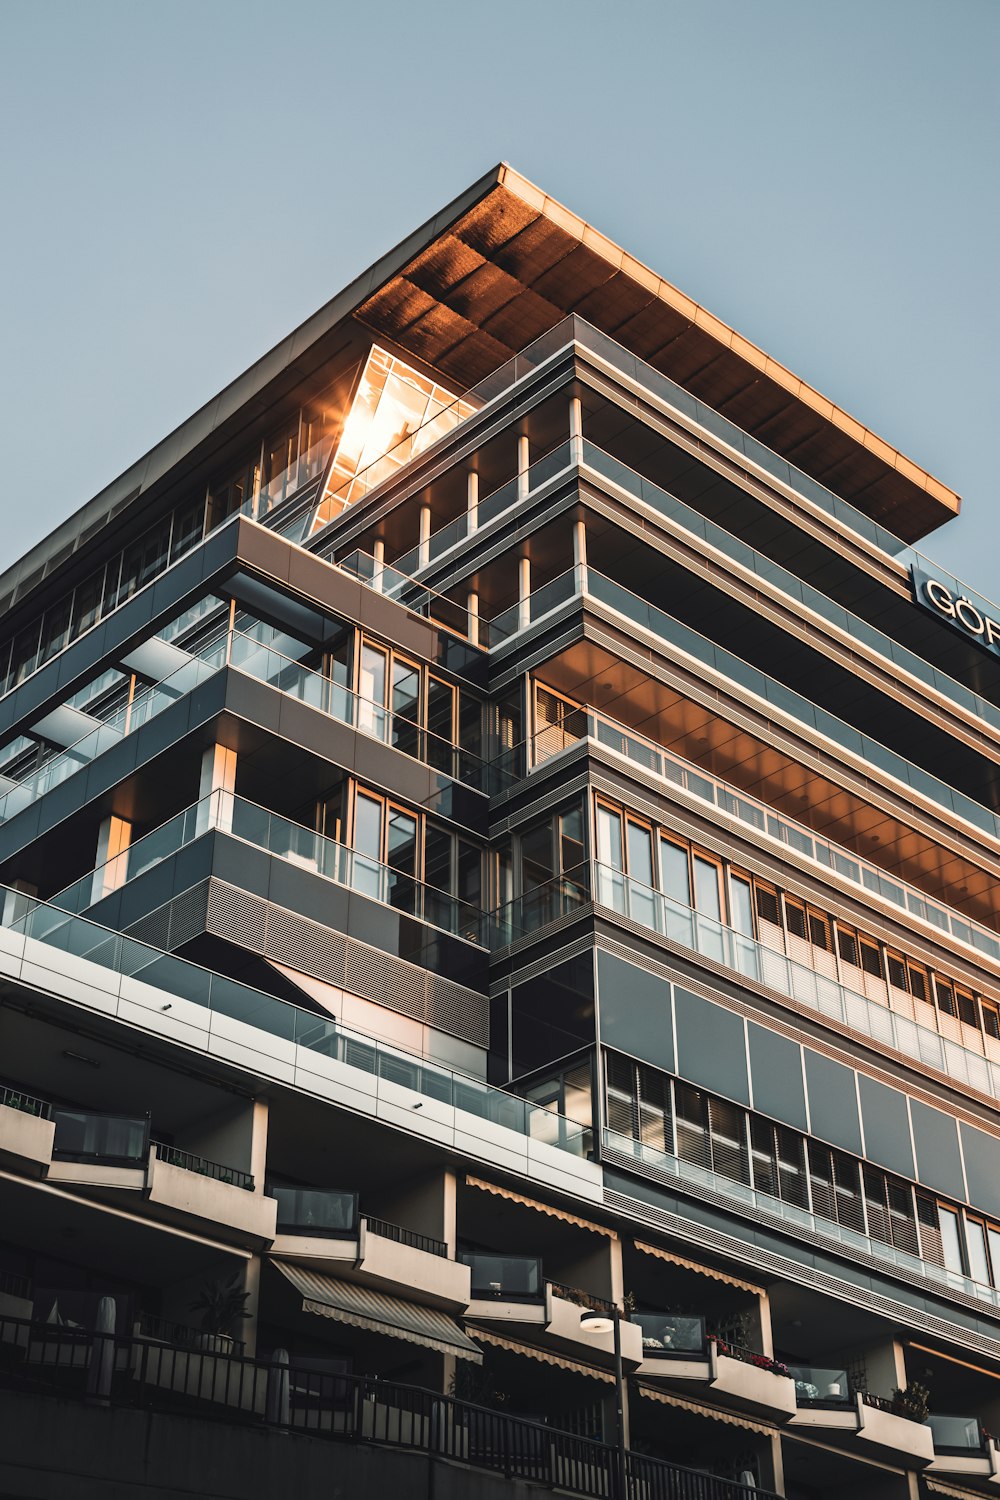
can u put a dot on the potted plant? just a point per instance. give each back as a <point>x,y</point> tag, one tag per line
<point>223,1306</point>
<point>912,1402</point>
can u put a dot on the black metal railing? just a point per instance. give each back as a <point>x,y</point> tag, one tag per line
<point>202,1166</point>
<point>26,1103</point>
<point>580,1298</point>
<point>143,1371</point>
<point>184,1336</point>
<point>401,1236</point>
<point>748,1356</point>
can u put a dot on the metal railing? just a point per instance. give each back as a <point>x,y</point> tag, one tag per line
<point>148,1373</point>
<point>25,1103</point>
<point>166,1331</point>
<point>400,1236</point>
<point>747,1356</point>
<point>13,1285</point>
<point>190,1162</point>
<point>580,1298</point>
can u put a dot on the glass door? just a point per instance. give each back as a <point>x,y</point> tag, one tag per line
<point>368,833</point>
<point>373,678</point>
<point>610,857</point>
<point>406,706</point>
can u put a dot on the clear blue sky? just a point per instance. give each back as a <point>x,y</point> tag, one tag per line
<point>183,181</point>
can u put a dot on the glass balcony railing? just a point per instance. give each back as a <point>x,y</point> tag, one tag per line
<point>722,945</point>
<point>505,1278</point>
<point>896,656</point>
<point>316,1211</point>
<point>957,1435</point>
<point>740,1193</point>
<point>588,584</point>
<point>585,723</point>
<point>84,1136</point>
<point>223,812</point>
<point>147,703</point>
<point>818,1387</point>
<point>671,1336</point>
<point>215,1008</point>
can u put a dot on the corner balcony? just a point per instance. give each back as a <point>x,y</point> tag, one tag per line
<point>324,1230</point>
<point>750,1381</point>
<point>674,1347</point>
<point>892,1437</point>
<point>188,1188</point>
<point>823,1398</point>
<point>512,1290</point>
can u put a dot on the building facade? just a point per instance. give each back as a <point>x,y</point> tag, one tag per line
<point>497,828</point>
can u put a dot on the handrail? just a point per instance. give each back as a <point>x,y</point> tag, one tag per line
<point>384,1230</point>
<point>224,812</point>
<point>26,1103</point>
<point>611,734</point>
<point>189,1161</point>
<point>215,1003</point>
<point>145,1371</point>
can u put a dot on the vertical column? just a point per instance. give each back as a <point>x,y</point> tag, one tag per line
<point>17,901</point>
<point>258,1144</point>
<point>772,1467</point>
<point>764,1325</point>
<point>523,592</point>
<point>580,556</point>
<point>523,462</point>
<point>424,552</point>
<point>575,430</point>
<point>472,500</point>
<point>378,552</point>
<point>252,1269</point>
<point>216,790</point>
<point>113,839</point>
<point>473,610</point>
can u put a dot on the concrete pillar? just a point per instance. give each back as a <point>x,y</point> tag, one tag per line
<point>523,592</point>
<point>580,555</point>
<point>772,1467</point>
<point>247,1330</point>
<point>575,430</point>
<point>473,609</point>
<point>523,461</point>
<point>885,1368</point>
<point>473,500</point>
<point>424,552</point>
<point>216,789</point>
<point>761,1314</point>
<point>258,1144</point>
<point>113,839</point>
<point>378,552</point>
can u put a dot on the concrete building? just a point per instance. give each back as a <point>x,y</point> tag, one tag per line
<point>499,858</point>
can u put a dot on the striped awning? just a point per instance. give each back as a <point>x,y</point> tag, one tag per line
<point>513,1346</point>
<point>694,1265</point>
<point>362,1307</point>
<point>938,1487</point>
<point>538,1206</point>
<point>701,1409</point>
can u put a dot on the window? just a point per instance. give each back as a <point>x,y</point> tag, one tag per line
<point>768,908</point>
<point>741,904</point>
<point>692,1125</point>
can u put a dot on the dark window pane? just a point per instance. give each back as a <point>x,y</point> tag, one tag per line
<point>710,1046</point>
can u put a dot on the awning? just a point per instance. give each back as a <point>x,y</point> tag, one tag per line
<point>542,1355</point>
<point>538,1206</point>
<point>700,1409</point>
<point>349,1302</point>
<point>938,1487</point>
<point>694,1265</point>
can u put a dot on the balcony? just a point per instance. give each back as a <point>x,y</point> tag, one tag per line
<point>751,1381</point>
<point>506,1288</point>
<point>963,1447</point>
<point>684,927</point>
<point>891,1436</point>
<point>823,1398</point>
<point>585,587</point>
<point>99,1150</point>
<point>15,1296</point>
<point>26,1132</point>
<point>235,817</point>
<point>185,1187</point>
<point>324,1229</point>
<point>674,1347</point>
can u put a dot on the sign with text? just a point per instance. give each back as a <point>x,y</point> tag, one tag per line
<point>965,615</point>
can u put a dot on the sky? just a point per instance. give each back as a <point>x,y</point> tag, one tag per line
<point>183,182</point>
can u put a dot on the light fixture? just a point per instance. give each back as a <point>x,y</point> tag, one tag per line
<point>593,1321</point>
<point>79,1057</point>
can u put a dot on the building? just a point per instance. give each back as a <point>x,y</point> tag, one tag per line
<point>497,823</point>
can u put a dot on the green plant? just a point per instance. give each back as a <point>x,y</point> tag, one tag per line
<point>912,1402</point>
<point>223,1306</point>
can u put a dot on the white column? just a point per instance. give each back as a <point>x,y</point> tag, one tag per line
<point>424,554</point>
<point>378,553</point>
<point>113,839</point>
<point>473,500</point>
<point>523,593</point>
<point>575,430</point>
<point>473,608</point>
<point>216,790</point>
<point>580,556</point>
<point>523,461</point>
<point>258,1144</point>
